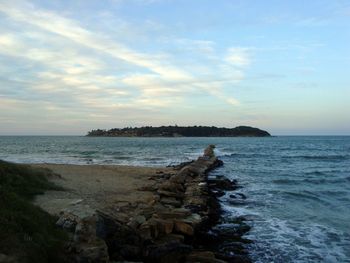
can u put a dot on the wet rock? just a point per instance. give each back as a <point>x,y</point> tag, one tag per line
<point>237,196</point>
<point>203,257</point>
<point>218,193</point>
<point>209,151</point>
<point>222,184</point>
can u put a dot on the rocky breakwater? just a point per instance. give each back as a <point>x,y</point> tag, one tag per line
<point>172,227</point>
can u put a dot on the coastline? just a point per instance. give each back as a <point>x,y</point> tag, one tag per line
<point>164,211</point>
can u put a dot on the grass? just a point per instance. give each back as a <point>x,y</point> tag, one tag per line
<point>26,231</point>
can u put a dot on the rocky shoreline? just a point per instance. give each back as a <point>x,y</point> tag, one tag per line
<point>177,225</point>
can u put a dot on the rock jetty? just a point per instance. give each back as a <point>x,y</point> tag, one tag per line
<point>172,227</point>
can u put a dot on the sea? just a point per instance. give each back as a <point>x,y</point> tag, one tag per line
<point>296,189</point>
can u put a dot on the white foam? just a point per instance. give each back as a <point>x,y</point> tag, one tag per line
<point>277,240</point>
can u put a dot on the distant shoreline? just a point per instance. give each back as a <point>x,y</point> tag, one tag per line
<point>180,131</point>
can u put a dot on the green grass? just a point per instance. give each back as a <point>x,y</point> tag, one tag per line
<point>26,231</point>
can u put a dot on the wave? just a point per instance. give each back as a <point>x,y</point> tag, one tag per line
<point>312,242</point>
<point>319,157</point>
<point>305,195</point>
<point>285,181</point>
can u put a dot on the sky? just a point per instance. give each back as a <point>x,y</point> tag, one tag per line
<point>67,67</point>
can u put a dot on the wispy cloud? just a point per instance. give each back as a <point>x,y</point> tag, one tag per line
<point>75,69</point>
<point>239,56</point>
<point>60,68</point>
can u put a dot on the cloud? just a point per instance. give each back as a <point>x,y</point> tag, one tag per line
<point>238,56</point>
<point>66,69</point>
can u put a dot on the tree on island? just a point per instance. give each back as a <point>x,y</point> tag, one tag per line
<point>181,131</point>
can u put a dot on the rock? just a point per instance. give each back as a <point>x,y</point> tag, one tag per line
<point>165,226</point>
<point>120,238</point>
<point>87,246</point>
<point>203,257</point>
<point>147,212</point>
<point>145,232</point>
<point>209,151</point>
<point>136,221</point>
<point>177,213</point>
<point>181,165</point>
<point>152,224</point>
<point>178,195</point>
<point>171,238</point>
<point>68,221</point>
<point>222,184</point>
<point>178,178</point>
<point>155,227</point>
<point>85,230</point>
<point>184,228</point>
<point>96,252</point>
<point>131,252</point>
<point>150,188</point>
<point>193,219</point>
<point>218,193</point>
<point>171,201</point>
<point>172,186</point>
<point>197,201</point>
<point>172,252</point>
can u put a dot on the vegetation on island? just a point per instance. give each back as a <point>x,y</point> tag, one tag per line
<point>27,232</point>
<point>181,131</point>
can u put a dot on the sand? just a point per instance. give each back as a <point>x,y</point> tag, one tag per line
<point>88,188</point>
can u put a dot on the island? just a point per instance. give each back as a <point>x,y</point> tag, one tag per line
<point>181,131</point>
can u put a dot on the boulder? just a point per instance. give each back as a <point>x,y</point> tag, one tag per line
<point>170,201</point>
<point>171,238</point>
<point>209,151</point>
<point>136,221</point>
<point>172,252</point>
<point>183,228</point>
<point>121,239</point>
<point>203,257</point>
<point>94,252</point>
<point>176,213</point>
<point>165,226</point>
<point>170,194</point>
<point>172,186</point>
<point>222,184</point>
<point>87,246</point>
<point>68,221</point>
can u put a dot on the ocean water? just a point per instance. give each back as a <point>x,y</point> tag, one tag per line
<point>297,189</point>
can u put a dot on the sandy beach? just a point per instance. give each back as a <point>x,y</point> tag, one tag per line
<point>97,187</point>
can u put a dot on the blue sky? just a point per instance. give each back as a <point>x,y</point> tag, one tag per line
<point>70,66</point>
